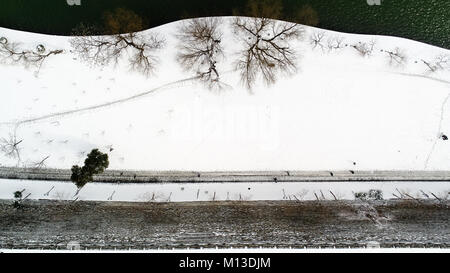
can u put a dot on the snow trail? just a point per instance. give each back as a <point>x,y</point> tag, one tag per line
<point>103,105</point>
<point>439,131</point>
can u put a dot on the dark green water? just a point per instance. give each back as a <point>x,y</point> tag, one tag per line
<point>422,20</point>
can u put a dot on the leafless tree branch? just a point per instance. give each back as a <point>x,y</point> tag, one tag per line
<point>316,40</point>
<point>102,50</point>
<point>266,49</point>
<point>365,49</point>
<point>201,50</point>
<point>41,163</point>
<point>396,57</point>
<point>11,52</point>
<point>441,62</point>
<point>10,146</point>
<point>335,43</point>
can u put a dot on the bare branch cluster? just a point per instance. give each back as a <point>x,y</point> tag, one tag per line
<point>266,49</point>
<point>11,52</point>
<point>200,49</point>
<point>317,40</point>
<point>441,62</point>
<point>40,164</point>
<point>365,49</point>
<point>102,50</point>
<point>397,57</point>
<point>335,43</point>
<point>10,147</point>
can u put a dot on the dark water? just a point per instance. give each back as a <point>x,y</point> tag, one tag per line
<point>52,225</point>
<point>427,21</point>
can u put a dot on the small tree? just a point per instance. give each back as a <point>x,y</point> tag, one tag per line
<point>396,57</point>
<point>17,199</point>
<point>10,147</point>
<point>95,163</point>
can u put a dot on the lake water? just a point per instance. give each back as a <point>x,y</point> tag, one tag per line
<point>426,21</point>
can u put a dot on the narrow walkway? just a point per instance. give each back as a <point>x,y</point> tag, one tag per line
<point>117,176</point>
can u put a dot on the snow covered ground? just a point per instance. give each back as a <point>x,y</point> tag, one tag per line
<point>191,192</point>
<point>338,110</point>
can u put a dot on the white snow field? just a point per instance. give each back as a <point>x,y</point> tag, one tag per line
<point>338,110</point>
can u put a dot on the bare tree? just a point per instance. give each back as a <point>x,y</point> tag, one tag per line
<point>397,57</point>
<point>441,62</point>
<point>335,43</point>
<point>266,50</point>
<point>201,50</point>
<point>11,52</point>
<point>365,49</point>
<point>10,147</point>
<point>102,50</point>
<point>40,164</point>
<point>316,39</point>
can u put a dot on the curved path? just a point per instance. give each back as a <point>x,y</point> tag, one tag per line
<point>94,107</point>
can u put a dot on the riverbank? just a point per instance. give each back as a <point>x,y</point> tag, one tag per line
<point>425,21</point>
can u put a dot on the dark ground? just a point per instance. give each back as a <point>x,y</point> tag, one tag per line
<point>51,225</point>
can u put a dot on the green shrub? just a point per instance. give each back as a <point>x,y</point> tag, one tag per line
<point>95,163</point>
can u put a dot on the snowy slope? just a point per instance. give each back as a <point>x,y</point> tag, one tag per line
<point>339,108</point>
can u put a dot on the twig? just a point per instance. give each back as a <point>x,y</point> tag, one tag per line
<point>415,199</point>
<point>48,193</point>
<point>424,194</point>
<point>323,196</point>
<point>333,195</point>
<point>317,197</point>
<point>111,197</point>
<point>397,196</point>
<point>436,197</point>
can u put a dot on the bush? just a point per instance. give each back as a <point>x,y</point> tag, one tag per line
<point>17,200</point>
<point>95,163</point>
<point>370,195</point>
